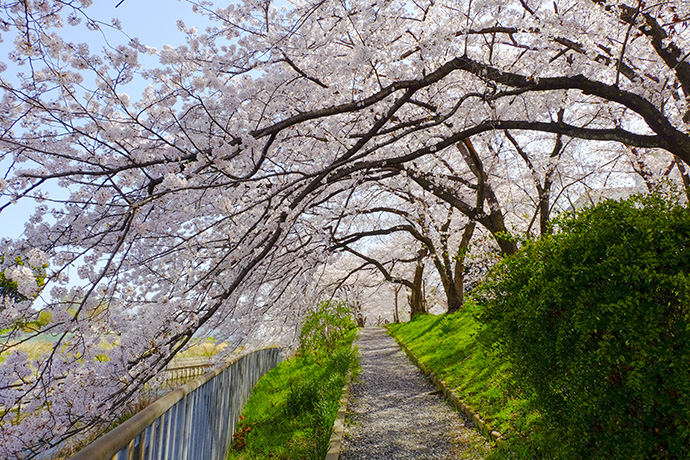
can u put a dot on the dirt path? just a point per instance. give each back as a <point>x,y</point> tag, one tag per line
<point>395,412</point>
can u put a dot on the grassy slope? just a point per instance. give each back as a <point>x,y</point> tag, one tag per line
<point>449,346</point>
<point>279,427</point>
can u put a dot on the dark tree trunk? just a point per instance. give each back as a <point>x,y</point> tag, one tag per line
<point>458,283</point>
<point>417,302</point>
<point>396,312</point>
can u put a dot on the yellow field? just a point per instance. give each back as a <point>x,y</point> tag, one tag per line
<point>33,348</point>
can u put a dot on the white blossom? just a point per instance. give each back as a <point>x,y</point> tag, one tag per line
<point>25,279</point>
<point>36,258</point>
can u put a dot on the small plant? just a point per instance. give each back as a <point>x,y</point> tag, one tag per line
<point>340,361</point>
<point>325,326</point>
<point>446,326</point>
<point>303,396</point>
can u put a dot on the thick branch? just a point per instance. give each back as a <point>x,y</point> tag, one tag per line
<point>386,274</point>
<point>667,49</point>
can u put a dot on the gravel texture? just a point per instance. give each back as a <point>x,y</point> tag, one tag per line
<point>396,413</point>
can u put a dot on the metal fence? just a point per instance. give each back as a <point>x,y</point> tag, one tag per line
<point>195,421</point>
<point>182,370</point>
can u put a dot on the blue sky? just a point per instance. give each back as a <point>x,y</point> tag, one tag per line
<point>154,22</point>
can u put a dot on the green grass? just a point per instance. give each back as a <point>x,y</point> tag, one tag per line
<point>450,346</point>
<point>291,411</point>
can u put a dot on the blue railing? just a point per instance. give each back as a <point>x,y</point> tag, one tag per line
<point>193,422</point>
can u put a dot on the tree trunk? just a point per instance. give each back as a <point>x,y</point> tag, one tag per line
<point>494,221</point>
<point>459,272</point>
<point>417,303</point>
<point>685,176</point>
<point>396,313</point>
<point>544,209</point>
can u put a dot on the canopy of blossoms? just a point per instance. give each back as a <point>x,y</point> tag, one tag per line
<point>213,201</point>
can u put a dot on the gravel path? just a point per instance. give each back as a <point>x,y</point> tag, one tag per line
<point>395,413</point>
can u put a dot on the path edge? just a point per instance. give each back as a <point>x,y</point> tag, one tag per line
<point>451,396</point>
<point>336,440</point>
<point>339,426</point>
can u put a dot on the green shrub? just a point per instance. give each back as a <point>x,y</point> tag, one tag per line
<point>325,326</point>
<point>594,321</point>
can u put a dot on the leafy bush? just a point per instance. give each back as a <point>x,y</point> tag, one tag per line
<point>325,326</point>
<point>595,323</point>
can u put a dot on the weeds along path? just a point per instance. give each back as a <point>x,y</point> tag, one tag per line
<point>395,412</point>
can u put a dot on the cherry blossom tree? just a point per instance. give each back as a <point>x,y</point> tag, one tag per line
<point>195,206</point>
<point>418,227</point>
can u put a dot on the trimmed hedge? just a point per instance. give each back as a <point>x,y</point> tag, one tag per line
<point>595,321</point>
